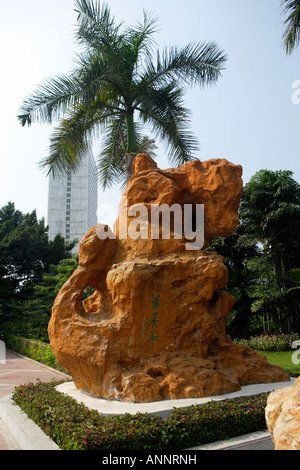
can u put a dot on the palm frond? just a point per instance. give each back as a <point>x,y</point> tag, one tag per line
<point>196,64</point>
<point>50,100</point>
<point>96,27</point>
<point>71,139</point>
<point>111,161</point>
<point>291,36</point>
<point>139,40</point>
<point>97,77</point>
<point>147,145</point>
<point>91,9</point>
<point>169,120</point>
<point>65,154</point>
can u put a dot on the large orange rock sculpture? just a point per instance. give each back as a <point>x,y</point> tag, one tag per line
<point>155,327</point>
<point>283,417</point>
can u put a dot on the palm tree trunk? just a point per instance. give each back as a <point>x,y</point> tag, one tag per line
<point>131,145</point>
<point>129,160</point>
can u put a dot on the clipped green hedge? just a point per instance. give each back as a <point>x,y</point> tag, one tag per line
<point>74,427</point>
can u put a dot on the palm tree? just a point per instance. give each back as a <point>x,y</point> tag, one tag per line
<point>116,87</point>
<point>291,37</point>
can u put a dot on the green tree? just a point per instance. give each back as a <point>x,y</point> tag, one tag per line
<point>36,310</point>
<point>238,249</point>
<point>265,295</point>
<point>25,254</point>
<point>116,86</point>
<point>291,36</point>
<point>270,211</point>
<point>263,256</point>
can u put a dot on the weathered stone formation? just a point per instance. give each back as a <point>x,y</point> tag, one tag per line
<point>283,417</point>
<point>155,327</point>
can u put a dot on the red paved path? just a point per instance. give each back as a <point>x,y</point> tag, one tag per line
<point>19,370</point>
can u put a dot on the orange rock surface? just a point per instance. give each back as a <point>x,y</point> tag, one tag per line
<point>155,327</point>
<point>283,417</point>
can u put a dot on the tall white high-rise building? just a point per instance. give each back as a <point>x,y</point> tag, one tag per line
<point>72,202</point>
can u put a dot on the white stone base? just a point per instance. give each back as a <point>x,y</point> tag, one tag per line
<point>161,408</point>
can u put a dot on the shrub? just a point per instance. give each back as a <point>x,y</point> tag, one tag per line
<point>214,421</point>
<point>281,342</point>
<point>34,349</point>
<point>74,427</point>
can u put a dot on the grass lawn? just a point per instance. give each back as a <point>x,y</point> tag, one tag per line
<point>282,359</point>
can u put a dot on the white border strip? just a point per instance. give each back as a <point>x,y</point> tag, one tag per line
<point>27,434</point>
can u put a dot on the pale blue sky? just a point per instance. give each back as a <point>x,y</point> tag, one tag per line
<point>248,118</point>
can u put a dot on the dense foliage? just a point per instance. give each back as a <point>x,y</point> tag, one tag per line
<point>263,257</point>
<point>26,255</point>
<point>74,427</point>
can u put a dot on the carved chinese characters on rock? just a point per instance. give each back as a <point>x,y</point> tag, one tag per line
<point>150,328</point>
